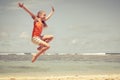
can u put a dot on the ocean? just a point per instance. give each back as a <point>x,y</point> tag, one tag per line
<point>58,67</point>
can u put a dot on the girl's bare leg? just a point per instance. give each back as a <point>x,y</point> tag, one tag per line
<point>47,39</point>
<point>43,46</point>
<point>43,49</point>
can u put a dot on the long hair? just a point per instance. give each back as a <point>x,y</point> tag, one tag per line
<point>44,24</point>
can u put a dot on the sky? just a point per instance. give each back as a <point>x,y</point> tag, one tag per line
<point>78,26</point>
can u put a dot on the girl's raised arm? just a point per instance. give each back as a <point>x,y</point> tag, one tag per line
<point>21,5</point>
<point>51,13</point>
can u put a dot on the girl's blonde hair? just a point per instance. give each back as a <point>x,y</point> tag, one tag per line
<point>44,23</point>
<point>40,12</point>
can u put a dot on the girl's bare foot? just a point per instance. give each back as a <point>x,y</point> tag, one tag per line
<point>34,57</point>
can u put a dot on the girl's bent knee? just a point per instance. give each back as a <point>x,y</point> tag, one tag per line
<point>48,46</point>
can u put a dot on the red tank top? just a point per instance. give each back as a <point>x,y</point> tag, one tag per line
<point>37,30</point>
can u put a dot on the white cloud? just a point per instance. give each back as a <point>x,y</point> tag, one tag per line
<point>75,41</point>
<point>24,35</point>
<point>3,34</point>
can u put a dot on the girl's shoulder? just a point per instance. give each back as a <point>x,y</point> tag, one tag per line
<point>37,20</point>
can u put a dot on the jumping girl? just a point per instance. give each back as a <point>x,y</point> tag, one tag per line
<point>39,23</point>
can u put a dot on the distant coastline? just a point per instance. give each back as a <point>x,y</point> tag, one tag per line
<point>30,53</point>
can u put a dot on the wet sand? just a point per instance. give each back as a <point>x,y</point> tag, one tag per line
<point>69,77</point>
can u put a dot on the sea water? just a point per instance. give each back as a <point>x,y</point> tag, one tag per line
<point>58,67</point>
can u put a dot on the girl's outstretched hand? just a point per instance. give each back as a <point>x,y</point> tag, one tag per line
<point>53,9</point>
<point>21,5</point>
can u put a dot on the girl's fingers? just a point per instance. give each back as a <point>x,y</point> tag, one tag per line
<point>20,4</point>
<point>53,8</point>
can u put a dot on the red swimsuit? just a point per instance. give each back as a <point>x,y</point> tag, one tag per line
<point>37,30</point>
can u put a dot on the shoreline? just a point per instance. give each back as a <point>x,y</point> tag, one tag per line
<point>67,77</point>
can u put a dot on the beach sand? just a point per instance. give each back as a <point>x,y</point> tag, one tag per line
<point>70,77</point>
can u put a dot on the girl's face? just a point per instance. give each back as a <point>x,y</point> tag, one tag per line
<point>42,15</point>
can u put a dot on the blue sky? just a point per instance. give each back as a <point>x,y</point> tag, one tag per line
<point>79,26</point>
